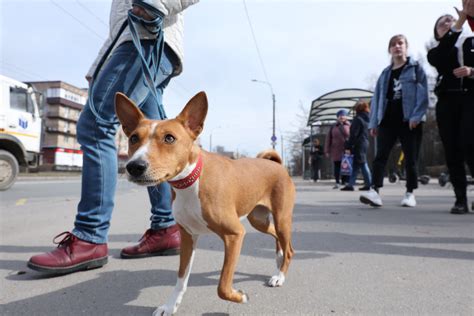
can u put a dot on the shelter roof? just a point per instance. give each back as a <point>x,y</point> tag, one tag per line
<point>324,108</point>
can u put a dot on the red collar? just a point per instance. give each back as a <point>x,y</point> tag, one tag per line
<point>191,178</point>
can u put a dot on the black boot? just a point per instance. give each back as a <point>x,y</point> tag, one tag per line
<point>460,207</point>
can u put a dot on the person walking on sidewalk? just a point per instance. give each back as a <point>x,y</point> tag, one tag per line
<point>315,156</point>
<point>398,108</point>
<point>136,61</point>
<point>453,58</point>
<point>357,144</point>
<point>334,144</point>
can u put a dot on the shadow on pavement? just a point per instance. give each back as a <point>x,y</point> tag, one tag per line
<point>101,296</point>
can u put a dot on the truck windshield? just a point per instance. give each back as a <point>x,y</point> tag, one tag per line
<point>20,100</point>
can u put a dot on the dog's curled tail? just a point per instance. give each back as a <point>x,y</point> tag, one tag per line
<point>270,154</point>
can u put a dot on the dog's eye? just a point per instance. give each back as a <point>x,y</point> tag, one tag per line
<point>169,139</point>
<point>134,139</point>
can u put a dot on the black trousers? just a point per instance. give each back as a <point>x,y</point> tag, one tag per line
<point>411,142</point>
<point>315,169</point>
<point>455,117</point>
<point>337,173</point>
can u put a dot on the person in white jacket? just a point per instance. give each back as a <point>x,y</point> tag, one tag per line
<point>139,64</point>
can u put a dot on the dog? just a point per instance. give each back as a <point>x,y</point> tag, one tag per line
<point>212,193</point>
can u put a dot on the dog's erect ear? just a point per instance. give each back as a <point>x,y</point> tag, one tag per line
<point>127,112</point>
<point>194,114</point>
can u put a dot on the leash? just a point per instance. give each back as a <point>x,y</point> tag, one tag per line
<point>150,67</point>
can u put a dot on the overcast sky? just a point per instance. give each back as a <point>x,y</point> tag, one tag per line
<point>308,48</point>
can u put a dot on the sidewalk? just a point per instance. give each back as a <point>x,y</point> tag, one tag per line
<point>48,175</point>
<point>350,260</point>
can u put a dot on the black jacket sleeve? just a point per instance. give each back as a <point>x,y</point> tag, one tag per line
<point>355,130</point>
<point>437,55</point>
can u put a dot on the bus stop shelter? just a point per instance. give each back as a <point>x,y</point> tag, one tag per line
<point>322,115</point>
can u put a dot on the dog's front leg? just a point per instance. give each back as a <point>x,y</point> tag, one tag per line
<point>188,245</point>
<point>233,244</point>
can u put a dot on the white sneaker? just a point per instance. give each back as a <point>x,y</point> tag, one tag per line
<point>408,200</point>
<point>372,198</point>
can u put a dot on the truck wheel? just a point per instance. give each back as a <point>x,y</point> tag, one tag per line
<point>8,170</point>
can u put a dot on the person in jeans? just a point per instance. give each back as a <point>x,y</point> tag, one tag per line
<point>123,71</point>
<point>334,144</point>
<point>453,58</point>
<point>398,107</point>
<point>357,144</point>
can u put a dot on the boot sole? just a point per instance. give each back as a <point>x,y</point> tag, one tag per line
<point>459,212</point>
<point>365,200</point>
<point>88,265</point>
<point>167,252</point>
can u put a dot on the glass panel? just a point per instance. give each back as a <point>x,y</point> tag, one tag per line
<point>18,99</point>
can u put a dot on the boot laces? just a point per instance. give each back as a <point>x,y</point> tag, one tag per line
<point>146,235</point>
<point>65,241</point>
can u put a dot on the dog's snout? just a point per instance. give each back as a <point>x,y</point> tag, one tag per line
<point>137,167</point>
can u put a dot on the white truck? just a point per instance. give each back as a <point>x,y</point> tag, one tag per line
<point>20,130</point>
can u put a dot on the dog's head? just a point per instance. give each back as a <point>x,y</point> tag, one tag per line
<point>160,150</point>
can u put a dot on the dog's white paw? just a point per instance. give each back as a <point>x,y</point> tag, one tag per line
<point>164,310</point>
<point>245,297</point>
<point>277,280</point>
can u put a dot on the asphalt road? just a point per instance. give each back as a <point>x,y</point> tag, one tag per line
<point>36,187</point>
<point>350,259</point>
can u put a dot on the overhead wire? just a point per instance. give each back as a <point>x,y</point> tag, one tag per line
<point>20,70</point>
<point>78,20</point>
<point>92,13</point>
<point>255,42</point>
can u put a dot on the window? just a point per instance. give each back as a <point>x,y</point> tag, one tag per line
<point>20,100</point>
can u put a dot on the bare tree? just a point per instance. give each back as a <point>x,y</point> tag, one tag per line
<point>295,139</point>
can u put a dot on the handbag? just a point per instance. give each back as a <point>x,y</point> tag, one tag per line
<point>346,164</point>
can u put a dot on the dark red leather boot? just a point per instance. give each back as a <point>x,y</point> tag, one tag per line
<point>71,255</point>
<point>163,242</point>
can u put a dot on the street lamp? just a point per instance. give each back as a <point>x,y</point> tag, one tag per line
<point>273,99</point>
<point>210,137</point>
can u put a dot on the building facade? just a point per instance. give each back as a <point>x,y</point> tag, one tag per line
<point>60,109</point>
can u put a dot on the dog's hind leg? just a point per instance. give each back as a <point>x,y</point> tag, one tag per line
<point>188,246</point>
<point>233,236</point>
<point>260,219</point>
<point>282,217</point>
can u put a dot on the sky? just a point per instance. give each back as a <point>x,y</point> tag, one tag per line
<point>307,48</point>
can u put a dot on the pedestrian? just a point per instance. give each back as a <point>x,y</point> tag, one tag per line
<point>315,157</point>
<point>128,63</point>
<point>453,58</point>
<point>334,145</point>
<point>398,108</point>
<point>357,145</point>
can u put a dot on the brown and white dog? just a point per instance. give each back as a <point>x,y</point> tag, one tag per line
<point>213,194</point>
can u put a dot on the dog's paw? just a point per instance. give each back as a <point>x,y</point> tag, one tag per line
<point>164,310</point>
<point>245,297</point>
<point>277,280</point>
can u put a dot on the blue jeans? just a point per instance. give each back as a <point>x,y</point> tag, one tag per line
<point>364,167</point>
<point>96,134</point>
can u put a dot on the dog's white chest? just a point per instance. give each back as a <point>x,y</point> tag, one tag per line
<point>187,210</point>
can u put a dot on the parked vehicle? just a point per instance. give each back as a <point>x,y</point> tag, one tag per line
<point>20,130</point>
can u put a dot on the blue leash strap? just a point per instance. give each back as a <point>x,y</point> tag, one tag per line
<point>155,59</point>
<point>150,75</point>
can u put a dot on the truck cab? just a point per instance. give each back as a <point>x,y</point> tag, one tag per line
<point>20,130</point>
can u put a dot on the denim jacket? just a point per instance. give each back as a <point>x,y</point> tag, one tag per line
<point>414,94</point>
